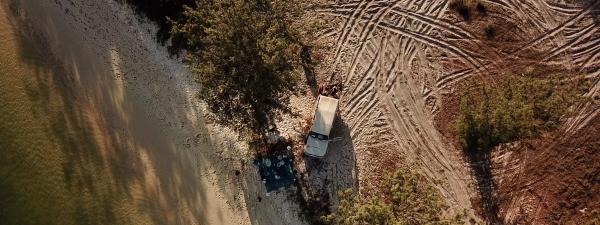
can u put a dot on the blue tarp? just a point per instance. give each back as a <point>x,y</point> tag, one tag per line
<point>276,170</point>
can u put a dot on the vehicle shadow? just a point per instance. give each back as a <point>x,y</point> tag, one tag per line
<point>336,171</point>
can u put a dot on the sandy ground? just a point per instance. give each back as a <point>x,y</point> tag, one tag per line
<point>398,61</point>
<point>381,53</point>
<point>141,108</point>
<point>401,60</point>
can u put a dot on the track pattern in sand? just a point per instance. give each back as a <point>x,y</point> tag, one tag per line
<point>565,34</point>
<point>397,59</point>
<point>391,89</point>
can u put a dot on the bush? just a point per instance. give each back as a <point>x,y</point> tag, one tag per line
<point>462,8</point>
<point>244,56</point>
<point>490,31</point>
<point>595,218</point>
<point>407,199</point>
<point>481,7</point>
<point>521,108</point>
<point>158,11</point>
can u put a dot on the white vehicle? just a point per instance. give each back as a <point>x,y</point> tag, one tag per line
<point>318,138</point>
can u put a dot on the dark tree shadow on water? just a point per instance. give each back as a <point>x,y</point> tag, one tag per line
<point>52,92</point>
<point>158,11</point>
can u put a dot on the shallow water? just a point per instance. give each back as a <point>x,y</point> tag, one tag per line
<point>99,126</point>
<point>50,170</point>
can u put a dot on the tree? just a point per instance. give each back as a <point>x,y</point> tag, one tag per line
<point>244,57</point>
<point>158,11</point>
<point>406,199</point>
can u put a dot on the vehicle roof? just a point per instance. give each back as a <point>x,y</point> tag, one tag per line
<point>324,115</point>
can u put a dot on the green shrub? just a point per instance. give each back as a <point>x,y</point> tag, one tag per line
<point>521,108</point>
<point>407,199</point>
<point>462,8</point>
<point>244,56</point>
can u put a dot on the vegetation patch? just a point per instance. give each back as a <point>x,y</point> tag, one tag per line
<point>244,54</point>
<point>520,108</point>
<point>406,199</point>
<point>465,7</point>
<point>490,31</point>
<point>481,8</point>
<point>462,8</point>
<point>595,220</point>
<point>158,11</point>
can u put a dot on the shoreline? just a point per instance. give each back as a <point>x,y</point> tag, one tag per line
<point>140,109</point>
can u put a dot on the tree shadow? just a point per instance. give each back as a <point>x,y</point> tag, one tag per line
<point>157,11</point>
<point>480,162</point>
<point>593,9</point>
<point>309,69</point>
<point>107,132</point>
<point>52,93</point>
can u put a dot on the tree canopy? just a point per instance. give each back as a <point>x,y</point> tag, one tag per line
<point>244,56</point>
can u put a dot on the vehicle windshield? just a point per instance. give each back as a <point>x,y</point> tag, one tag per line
<point>319,136</point>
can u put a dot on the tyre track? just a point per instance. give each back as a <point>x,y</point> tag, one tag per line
<point>551,33</point>
<point>594,58</point>
<point>425,39</point>
<point>587,112</point>
<point>357,97</point>
<point>564,9</point>
<point>404,125</point>
<point>390,38</point>
<point>576,38</point>
<point>366,33</point>
<point>349,26</point>
<point>437,23</point>
<point>429,155</point>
